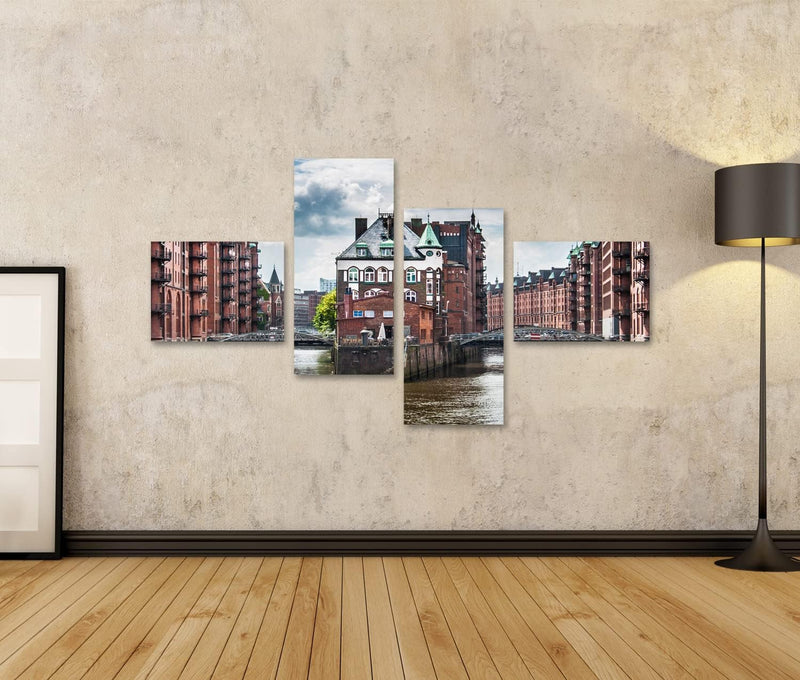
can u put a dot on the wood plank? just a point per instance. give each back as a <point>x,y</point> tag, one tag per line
<point>263,664</point>
<point>355,661</point>
<point>471,648</point>
<point>754,650</point>
<point>635,638</point>
<point>414,651</point>
<point>566,658</point>
<point>694,629</point>
<point>236,654</point>
<point>90,620</point>
<point>79,662</point>
<point>384,651</point>
<point>31,583</point>
<point>325,651</point>
<point>296,652</point>
<point>32,639</point>
<point>12,569</point>
<point>56,583</point>
<point>206,654</point>
<point>158,635</point>
<point>36,573</point>
<point>598,660</point>
<point>772,616</point>
<point>443,650</point>
<point>175,655</point>
<point>649,624</point>
<point>531,651</point>
<point>505,657</point>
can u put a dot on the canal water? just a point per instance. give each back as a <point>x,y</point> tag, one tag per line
<point>467,394</point>
<point>313,361</point>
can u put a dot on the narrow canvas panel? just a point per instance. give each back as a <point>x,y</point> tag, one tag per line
<point>19,498</point>
<point>453,316</point>
<point>216,291</point>
<point>20,411</point>
<point>344,236</point>
<point>581,291</point>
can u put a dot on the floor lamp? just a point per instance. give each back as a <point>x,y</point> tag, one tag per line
<point>759,205</point>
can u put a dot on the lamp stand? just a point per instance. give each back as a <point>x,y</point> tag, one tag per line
<point>762,554</point>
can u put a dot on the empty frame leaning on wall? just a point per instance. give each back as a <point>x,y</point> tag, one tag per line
<point>31,410</point>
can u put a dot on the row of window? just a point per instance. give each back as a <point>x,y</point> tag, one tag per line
<point>370,314</point>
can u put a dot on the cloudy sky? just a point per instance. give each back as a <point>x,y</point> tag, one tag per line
<point>491,220</point>
<point>531,256</point>
<point>271,254</point>
<point>329,193</point>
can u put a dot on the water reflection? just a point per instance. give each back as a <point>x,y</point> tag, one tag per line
<point>312,361</point>
<point>469,394</point>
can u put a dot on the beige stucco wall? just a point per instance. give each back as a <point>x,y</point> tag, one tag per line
<point>126,122</point>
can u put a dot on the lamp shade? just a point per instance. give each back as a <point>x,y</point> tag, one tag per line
<point>757,201</point>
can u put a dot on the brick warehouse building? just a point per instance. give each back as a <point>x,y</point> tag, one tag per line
<point>603,291</point>
<point>203,288</point>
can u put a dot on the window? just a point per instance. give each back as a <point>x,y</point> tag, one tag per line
<point>411,275</point>
<point>369,313</point>
<point>411,295</point>
<point>369,275</point>
<point>361,252</point>
<point>369,293</point>
<point>429,287</point>
<point>388,314</point>
<point>354,294</point>
<point>352,274</point>
<point>357,313</point>
<point>387,252</point>
<point>383,275</point>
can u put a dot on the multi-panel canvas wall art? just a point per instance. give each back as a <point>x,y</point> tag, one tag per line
<point>344,266</point>
<point>216,291</point>
<point>453,316</point>
<point>584,291</point>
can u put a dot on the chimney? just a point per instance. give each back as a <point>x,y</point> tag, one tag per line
<point>391,227</point>
<point>361,226</point>
<point>416,225</point>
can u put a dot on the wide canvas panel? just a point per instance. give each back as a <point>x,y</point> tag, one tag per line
<point>453,316</point>
<point>581,291</point>
<point>216,291</point>
<point>344,266</point>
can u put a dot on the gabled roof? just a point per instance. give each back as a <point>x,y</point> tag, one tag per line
<point>428,238</point>
<point>372,239</point>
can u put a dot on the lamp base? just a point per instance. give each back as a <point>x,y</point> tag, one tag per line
<point>761,555</point>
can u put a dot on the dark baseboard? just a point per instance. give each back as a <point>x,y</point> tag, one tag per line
<point>612,543</point>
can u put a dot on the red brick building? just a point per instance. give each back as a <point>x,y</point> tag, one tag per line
<point>200,288</point>
<point>494,306</point>
<point>603,291</point>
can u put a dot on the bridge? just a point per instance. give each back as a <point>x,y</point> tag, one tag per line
<point>546,333</point>
<point>488,338</point>
<point>302,339</point>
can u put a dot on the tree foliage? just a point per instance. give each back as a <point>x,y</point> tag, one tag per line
<point>325,316</point>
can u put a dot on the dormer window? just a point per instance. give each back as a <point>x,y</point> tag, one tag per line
<point>361,252</point>
<point>387,252</point>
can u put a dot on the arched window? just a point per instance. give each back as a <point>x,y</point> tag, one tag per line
<point>383,275</point>
<point>411,275</point>
<point>352,274</point>
<point>369,293</point>
<point>354,294</point>
<point>369,275</point>
<point>410,295</point>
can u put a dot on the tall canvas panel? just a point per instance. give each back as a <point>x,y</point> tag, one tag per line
<point>344,235</point>
<point>453,316</point>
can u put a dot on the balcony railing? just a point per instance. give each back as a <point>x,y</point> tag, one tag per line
<point>621,289</point>
<point>161,276</point>
<point>161,254</point>
<point>641,276</point>
<point>244,255</point>
<point>641,252</point>
<point>244,319</point>
<point>200,312</point>
<point>227,297</point>
<point>227,257</point>
<point>244,277</point>
<point>227,269</point>
<point>198,254</point>
<point>621,271</point>
<point>641,307</point>
<point>621,251</point>
<point>625,311</point>
<point>161,308</point>
<point>198,271</point>
<point>199,289</point>
<point>227,284</point>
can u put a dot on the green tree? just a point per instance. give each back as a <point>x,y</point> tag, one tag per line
<point>325,316</point>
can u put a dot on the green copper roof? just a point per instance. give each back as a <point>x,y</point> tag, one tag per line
<point>428,238</point>
<point>388,243</point>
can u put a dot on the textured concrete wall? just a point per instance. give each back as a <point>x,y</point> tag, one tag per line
<point>126,122</point>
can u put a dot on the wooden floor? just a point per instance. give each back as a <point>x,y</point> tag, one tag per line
<point>354,618</point>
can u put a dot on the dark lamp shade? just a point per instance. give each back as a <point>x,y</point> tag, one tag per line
<point>757,201</point>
